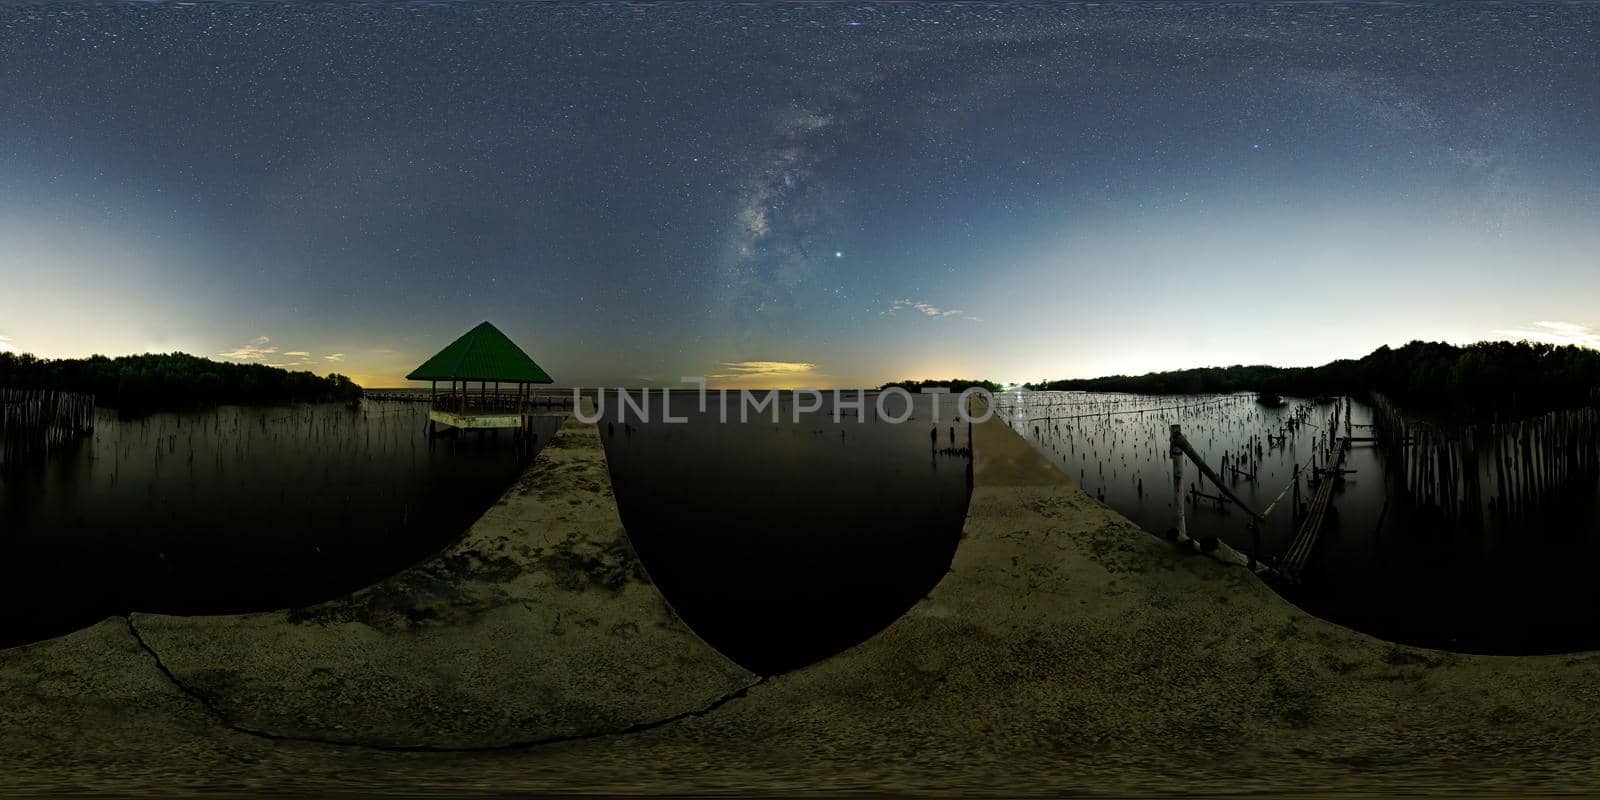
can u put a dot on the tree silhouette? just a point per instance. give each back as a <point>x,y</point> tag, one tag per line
<point>1478,381</point>
<point>169,381</point>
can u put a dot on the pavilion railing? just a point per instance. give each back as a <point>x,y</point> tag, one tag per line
<point>492,402</point>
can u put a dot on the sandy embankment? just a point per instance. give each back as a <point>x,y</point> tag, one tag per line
<point>1065,651</point>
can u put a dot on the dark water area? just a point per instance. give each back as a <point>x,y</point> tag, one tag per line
<point>1392,561</point>
<point>235,509</point>
<point>784,543</point>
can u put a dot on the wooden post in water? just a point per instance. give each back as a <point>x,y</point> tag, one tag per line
<point>1296,478</point>
<point>1502,489</point>
<point>1177,481</point>
<point>34,422</point>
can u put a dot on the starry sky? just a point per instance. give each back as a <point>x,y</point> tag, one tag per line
<point>810,194</point>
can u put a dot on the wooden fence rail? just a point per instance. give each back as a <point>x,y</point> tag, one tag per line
<point>1181,448</point>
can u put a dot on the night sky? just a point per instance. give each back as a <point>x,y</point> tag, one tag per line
<point>813,195</point>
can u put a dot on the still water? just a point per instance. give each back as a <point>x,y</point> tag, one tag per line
<point>235,509</point>
<point>783,543</point>
<point>1386,562</point>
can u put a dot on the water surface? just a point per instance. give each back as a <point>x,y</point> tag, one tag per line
<point>1387,562</point>
<point>235,509</point>
<point>783,543</point>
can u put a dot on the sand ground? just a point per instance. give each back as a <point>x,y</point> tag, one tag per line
<point>1066,652</point>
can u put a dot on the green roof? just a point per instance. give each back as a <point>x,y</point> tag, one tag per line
<point>481,354</point>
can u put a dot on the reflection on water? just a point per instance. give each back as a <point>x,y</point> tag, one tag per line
<point>783,543</point>
<point>1397,559</point>
<point>235,509</point>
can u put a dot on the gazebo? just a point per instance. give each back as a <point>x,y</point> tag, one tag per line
<point>484,356</point>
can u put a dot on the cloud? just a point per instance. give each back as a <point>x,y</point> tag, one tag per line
<point>766,374</point>
<point>1555,332</point>
<point>927,310</point>
<point>258,349</point>
<point>262,350</point>
<point>741,368</point>
<point>6,346</point>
